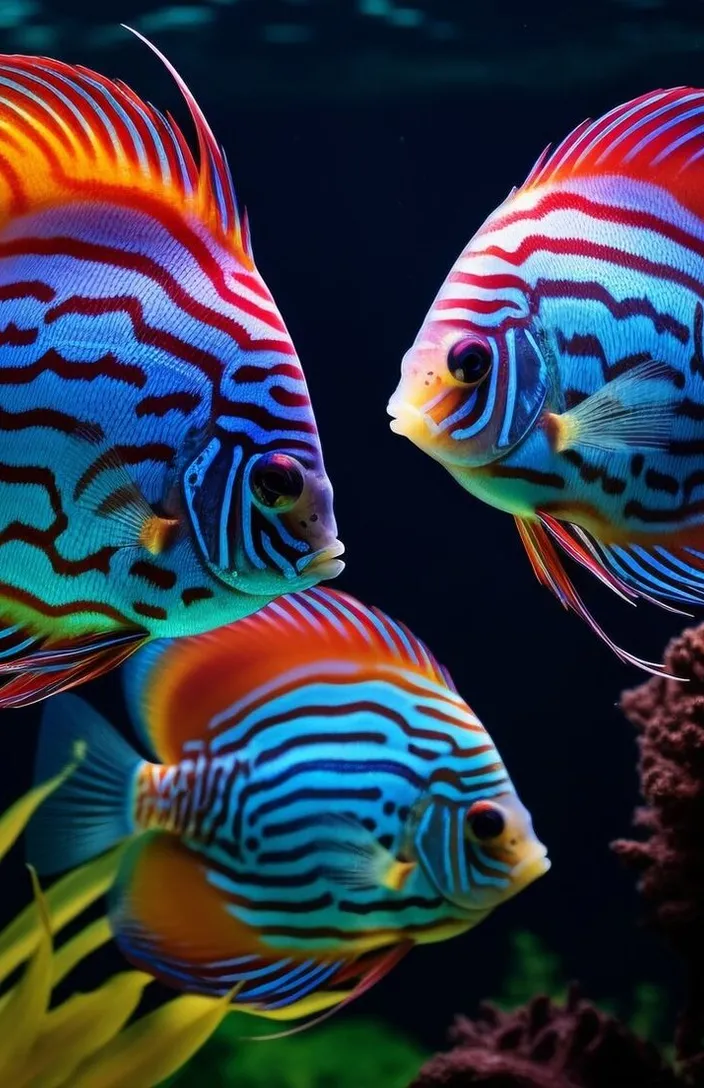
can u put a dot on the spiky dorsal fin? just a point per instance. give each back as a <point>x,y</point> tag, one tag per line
<point>67,132</point>
<point>658,137</point>
<point>177,690</point>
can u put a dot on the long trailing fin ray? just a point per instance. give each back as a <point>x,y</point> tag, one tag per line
<point>216,180</point>
<point>549,571</point>
<point>674,572</point>
<point>67,130</point>
<point>379,968</point>
<point>46,666</point>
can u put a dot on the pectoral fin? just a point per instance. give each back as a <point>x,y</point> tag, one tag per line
<point>633,411</point>
<point>103,485</point>
<point>363,862</point>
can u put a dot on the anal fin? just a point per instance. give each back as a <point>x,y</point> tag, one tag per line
<point>550,572</point>
<point>170,920</point>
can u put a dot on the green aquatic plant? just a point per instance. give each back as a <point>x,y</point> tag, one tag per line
<point>90,1040</point>
<point>535,968</point>
<point>351,1053</point>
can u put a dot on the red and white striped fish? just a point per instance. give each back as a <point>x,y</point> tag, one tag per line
<point>559,374</point>
<point>160,466</point>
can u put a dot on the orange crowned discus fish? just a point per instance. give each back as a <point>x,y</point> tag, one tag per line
<point>318,799</point>
<point>160,468</point>
<point>559,374</point>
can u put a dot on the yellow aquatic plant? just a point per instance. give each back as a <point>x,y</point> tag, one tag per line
<point>87,1041</point>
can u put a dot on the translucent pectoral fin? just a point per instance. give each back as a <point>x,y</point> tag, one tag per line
<point>548,568</point>
<point>635,410</point>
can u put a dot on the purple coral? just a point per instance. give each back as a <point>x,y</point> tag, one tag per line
<point>545,1045</point>
<point>669,716</point>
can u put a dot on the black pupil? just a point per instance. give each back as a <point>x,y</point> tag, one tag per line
<point>487,824</point>
<point>469,362</point>
<point>276,482</point>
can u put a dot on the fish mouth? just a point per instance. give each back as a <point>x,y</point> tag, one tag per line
<point>325,563</point>
<point>530,868</point>
<point>409,421</point>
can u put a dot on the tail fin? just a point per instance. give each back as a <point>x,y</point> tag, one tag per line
<point>93,810</point>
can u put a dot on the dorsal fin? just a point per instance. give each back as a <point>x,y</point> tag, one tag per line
<point>658,137</point>
<point>175,688</point>
<point>66,130</point>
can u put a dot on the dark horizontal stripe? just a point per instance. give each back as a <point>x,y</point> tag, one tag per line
<point>655,515</point>
<point>282,906</point>
<point>50,418</point>
<point>285,857</point>
<point>251,373</point>
<point>686,447</point>
<point>156,576</point>
<point>196,593</point>
<point>253,878</point>
<point>304,823</point>
<point>12,336</point>
<point>407,902</point>
<point>610,484</point>
<point>99,253</point>
<point>71,608</point>
<point>150,611</point>
<point>692,481</point>
<point>397,768</point>
<point>308,739</point>
<point>315,933</point>
<point>372,793</point>
<point>530,475</point>
<point>52,362</point>
<point>23,289</point>
<point>661,481</point>
<point>159,404</point>
<point>690,409</point>
<point>131,454</point>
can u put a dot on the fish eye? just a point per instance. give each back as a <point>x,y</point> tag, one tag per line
<point>484,821</point>
<point>469,361</point>
<point>276,481</point>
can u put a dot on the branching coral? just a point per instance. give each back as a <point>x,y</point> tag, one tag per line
<point>546,1045</point>
<point>669,716</point>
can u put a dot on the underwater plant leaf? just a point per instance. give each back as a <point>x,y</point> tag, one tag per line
<point>70,954</point>
<point>362,1052</point>
<point>80,1027</point>
<point>65,900</point>
<point>24,1008</point>
<point>535,969</point>
<point>16,818</point>
<point>154,1047</point>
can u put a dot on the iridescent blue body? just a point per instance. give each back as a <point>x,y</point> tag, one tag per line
<point>160,467</point>
<point>340,804</point>
<point>559,374</point>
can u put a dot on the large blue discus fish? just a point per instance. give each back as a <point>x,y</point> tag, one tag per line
<point>318,800</point>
